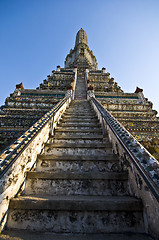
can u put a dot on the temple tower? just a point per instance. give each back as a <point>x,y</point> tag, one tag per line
<point>75,172</point>
<point>25,106</point>
<point>81,55</point>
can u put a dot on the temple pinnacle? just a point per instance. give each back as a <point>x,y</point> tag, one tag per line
<point>81,37</point>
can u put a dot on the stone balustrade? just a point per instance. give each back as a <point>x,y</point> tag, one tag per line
<point>21,155</point>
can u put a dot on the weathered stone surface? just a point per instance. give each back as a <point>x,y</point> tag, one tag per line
<point>80,164</point>
<point>79,183</point>
<point>76,222</point>
<point>85,196</point>
<point>74,214</point>
<point>50,183</point>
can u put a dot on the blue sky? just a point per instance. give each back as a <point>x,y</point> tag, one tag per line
<point>36,36</point>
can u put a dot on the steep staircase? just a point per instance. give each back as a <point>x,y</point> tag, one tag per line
<point>80,90</point>
<point>78,189</point>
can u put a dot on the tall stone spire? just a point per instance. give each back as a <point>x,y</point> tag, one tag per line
<point>81,55</point>
<point>81,37</point>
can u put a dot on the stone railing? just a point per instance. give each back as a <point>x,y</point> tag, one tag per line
<point>21,155</point>
<point>143,168</point>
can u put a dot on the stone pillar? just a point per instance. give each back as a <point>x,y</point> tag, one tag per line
<point>48,77</point>
<point>75,69</point>
<point>87,70</point>
<point>86,76</point>
<point>104,70</point>
<point>90,93</point>
<point>74,82</point>
<point>69,93</point>
<point>58,68</point>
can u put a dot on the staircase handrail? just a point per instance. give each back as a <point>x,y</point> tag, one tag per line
<point>10,154</point>
<point>145,163</point>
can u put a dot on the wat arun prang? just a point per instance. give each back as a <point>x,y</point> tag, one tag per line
<point>25,106</point>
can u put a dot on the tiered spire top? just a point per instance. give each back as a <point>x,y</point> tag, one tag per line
<point>81,56</point>
<point>81,37</point>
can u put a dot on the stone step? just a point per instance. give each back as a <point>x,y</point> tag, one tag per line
<point>67,145</point>
<point>81,97</point>
<point>75,183</point>
<point>98,137</point>
<point>83,131</point>
<point>80,110</point>
<point>79,149</point>
<point>80,106</point>
<point>78,102</point>
<point>78,139</point>
<point>86,114</point>
<point>79,124</point>
<point>79,120</point>
<point>109,162</point>
<point>77,176</point>
<point>82,128</point>
<point>26,235</point>
<point>76,214</point>
<point>88,157</point>
<point>80,116</point>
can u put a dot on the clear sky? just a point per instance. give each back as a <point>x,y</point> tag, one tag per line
<point>36,36</point>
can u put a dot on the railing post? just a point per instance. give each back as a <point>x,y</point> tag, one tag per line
<point>103,127</point>
<point>52,126</point>
<point>75,81</point>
